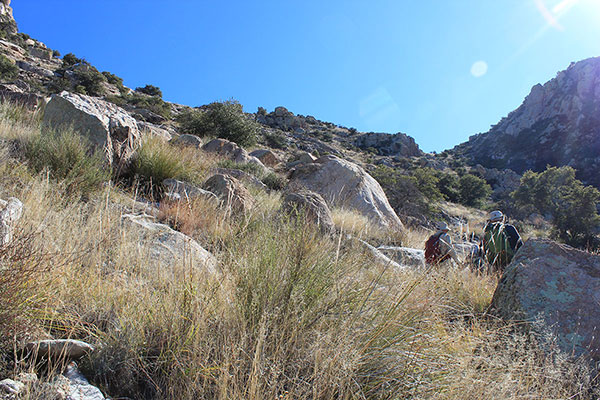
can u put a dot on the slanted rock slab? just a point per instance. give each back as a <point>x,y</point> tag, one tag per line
<point>557,288</point>
<point>68,348</point>
<point>179,190</point>
<point>167,246</point>
<point>405,256</point>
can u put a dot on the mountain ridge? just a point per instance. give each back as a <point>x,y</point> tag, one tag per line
<point>558,124</point>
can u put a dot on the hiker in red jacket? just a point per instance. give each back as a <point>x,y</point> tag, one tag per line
<point>438,247</point>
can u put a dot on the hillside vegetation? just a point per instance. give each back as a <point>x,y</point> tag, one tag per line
<point>291,313</point>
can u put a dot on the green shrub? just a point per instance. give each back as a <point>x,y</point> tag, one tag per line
<point>276,140</point>
<point>274,181</point>
<point>69,159</point>
<point>70,59</point>
<point>473,190</point>
<point>90,79</point>
<point>402,192</point>
<point>8,70</point>
<point>150,90</point>
<point>221,119</point>
<point>152,103</point>
<point>114,80</point>
<point>55,53</point>
<point>572,205</point>
<point>428,183</point>
<point>449,186</point>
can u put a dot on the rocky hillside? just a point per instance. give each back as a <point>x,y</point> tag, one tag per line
<point>558,124</point>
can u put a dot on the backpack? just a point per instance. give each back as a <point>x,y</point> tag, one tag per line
<point>433,254</point>
<point>500,243</point>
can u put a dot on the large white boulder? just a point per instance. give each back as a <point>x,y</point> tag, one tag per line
<point>106,125</point>
<point>347,185</point>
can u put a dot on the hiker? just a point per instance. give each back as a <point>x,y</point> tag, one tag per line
<point>438,247</point>
<point>500,241</point>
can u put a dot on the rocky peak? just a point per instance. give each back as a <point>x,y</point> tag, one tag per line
<point>385,144</point>
<point>558,124</point>
<point>7,21</point>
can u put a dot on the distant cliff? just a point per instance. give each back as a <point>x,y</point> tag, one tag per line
<point>558,124</point>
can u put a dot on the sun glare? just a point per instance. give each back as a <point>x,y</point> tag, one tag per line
<point>554,10</point>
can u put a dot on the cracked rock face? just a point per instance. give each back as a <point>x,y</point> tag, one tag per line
<point>7,21</point>
<point>557,124</point>
<point>557,289</point>
<point>106,125</point>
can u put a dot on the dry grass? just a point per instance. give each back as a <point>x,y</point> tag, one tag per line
<point>292,314</point>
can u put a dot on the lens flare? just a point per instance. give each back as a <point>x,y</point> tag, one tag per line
<point>479,69</point>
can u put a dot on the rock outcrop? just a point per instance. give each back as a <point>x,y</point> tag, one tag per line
<point>557,289</point>
<point>231,192</point>
<point>231,151</point>
<point>347,185</point>
<point>558,124</point>
<point>106,125</point>
<point>398,144</point>
<point>311,206</point>
<point>167,246</point>
<point>267,157</point>
<point>7,21</point>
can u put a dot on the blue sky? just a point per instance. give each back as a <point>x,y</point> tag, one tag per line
<point>438,70</point>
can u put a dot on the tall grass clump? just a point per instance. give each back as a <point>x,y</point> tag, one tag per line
<point>69,159</point>
<point>22,262</point>
<point>156,161</point>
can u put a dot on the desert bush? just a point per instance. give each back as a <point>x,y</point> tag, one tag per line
<point>428,183</point>
<point>403,192</point>
<point>8,70</point>
<point>70,59</point>
<point>69,159</point>
<point>276,140</point>
<point>221,119</point>
<point>449,186</point>
<point>152,103</point>
<point>274,181</point>
<point>473,190</point>
<point>571,205</point>
<point>150,90</point>
<point>115,80</point>
<point>90,79</point>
